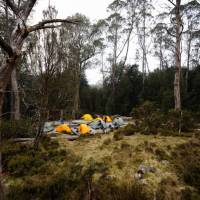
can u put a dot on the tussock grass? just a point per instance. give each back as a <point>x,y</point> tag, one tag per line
<point>107,167</point>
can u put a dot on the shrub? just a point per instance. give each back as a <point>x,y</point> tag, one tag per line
<point>168,189</point>
<point>187,163</point>
<point>127,131</point>
<point>16,129</point>
<point>143,110</point>
<point>22,160</point>
<point>117,136</point>
<point>148,118</point>
<point>174,119</point>
<point>107,141</point>
<point>110,189</point>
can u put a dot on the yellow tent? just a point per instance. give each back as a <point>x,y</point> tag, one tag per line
<point>98,118</point>
<point>107,119</point>
<point>63,128</point>
<point>84,129</point>
<point>87,117</point>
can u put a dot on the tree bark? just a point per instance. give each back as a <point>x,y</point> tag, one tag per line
<point>188,57</point>
<point>76,104</point>
<point>5,73</point>
<point>76,100</point>
<point>13,50</point>
<point>15,92</point>
<point>177,79</point>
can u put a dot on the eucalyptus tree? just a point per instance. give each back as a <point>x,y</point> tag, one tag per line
<point>79,44</point>
<point>13,47</point>
<point>7,19</point>
<point>191,16</point>
<point>44,58</point>
<point>120,26</point>
<point>144,13</point>
<point>163,45</point>
<point>115,23</point>
<point>177,31</point>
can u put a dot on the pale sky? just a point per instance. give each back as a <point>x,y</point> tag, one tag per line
<point>94,9</point>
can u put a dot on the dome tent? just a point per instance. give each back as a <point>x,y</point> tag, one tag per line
<point>107,119</point>
<point>87,117</point>
<point>83,129</point>
<point>63,128</point>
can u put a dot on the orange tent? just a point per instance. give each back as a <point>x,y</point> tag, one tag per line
<point>63,128</point>
<point>84,129</point>
<point>107,119</point>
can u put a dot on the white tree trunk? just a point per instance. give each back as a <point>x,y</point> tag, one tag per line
<point>15,91</point>
<point>177,79</point>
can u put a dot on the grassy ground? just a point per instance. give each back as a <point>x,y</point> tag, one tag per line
<point>124,156</point>
<point>105,167</point>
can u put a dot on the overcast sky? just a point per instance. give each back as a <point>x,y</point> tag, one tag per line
<point>94,9</point>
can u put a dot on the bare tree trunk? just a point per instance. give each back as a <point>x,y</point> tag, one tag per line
<point>15,90</point>
<point>161,57</point>
<point>76,104</point>
<point>13,49</point>
<point>1,170</point>
<point>76,100</point>
<point>144,53</point>
<point>188,59</point>
<point>5,71</point>
<point>177,79</point>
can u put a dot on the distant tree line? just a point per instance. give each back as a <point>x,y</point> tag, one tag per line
<point>43,66</point>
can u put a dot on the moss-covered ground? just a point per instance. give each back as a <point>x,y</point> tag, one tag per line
<point>105,167</point>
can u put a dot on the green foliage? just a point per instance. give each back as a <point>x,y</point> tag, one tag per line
<point>22,160</point>
<point>17,129</point>
<point>187,162</point>
<point>144,110</point>
<point>130,91</point>
<point>127,130</point>
<point>111,190</point>
<point>168,189</point>
<point>150,120</point>
<point>175,119</point>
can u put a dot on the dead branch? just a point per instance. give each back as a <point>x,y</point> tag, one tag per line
<point>172,3</point>
<point>42,24</point>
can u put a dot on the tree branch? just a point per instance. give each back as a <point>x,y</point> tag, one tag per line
<point>6,47</point>
<point>12,6</point>
<point>28,7</point>
<point>172,3</point>
<point>41,25</point>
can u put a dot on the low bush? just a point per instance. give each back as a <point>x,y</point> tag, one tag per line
<point>150,120</point>
<point>168,189</point>
<point>187,163</point>
<point>117,136</point>
<point>21,160</point>
<point>17,129</point>
<point>128,130</point>
<point>144,110</point>
<point>110,189</point>
<point>107,141</point>
<point>176,119</point>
